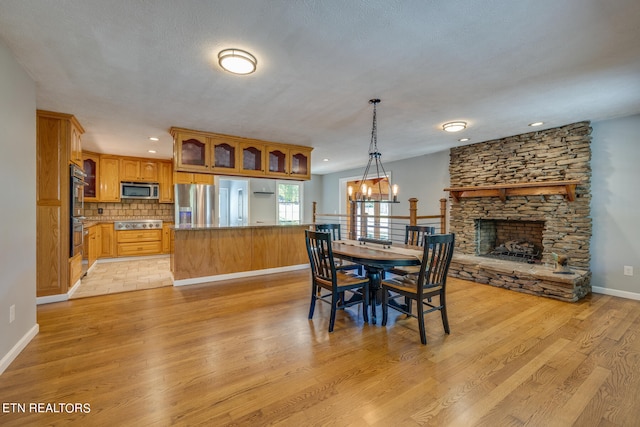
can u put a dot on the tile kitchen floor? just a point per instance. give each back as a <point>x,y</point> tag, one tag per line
<point>124,276</point>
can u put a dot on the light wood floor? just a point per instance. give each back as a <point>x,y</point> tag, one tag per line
<point>243,353</point>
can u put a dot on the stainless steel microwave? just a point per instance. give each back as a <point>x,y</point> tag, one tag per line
<point>139,190</point>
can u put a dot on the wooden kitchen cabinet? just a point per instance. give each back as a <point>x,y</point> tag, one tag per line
<point>75,269</point>
<point>91,245</point>
<point>252,156</point>
<point>192,178</point>
<point>76,143</point>
<point>208,153</point>
<point>91,167</point>
<point>138,170</point>
<point>292,163</point>
<point>139,242</point>
<point>225,154</point>
<point>57,146</point>
<point>109,178</point>
<point>278,161</point>
<point>167,241</point>
<point>300,163</point>
<point>107,247</point>
<point>165,175</point>
<point>192,152</point>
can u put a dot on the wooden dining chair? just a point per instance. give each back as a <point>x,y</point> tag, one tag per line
<point>414,235</point>
<point>325,277</point>
<point>431,282</point>
<point>334,229</point>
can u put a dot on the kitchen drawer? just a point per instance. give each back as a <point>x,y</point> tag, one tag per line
<point>140,248</point>
<point>134,236</point>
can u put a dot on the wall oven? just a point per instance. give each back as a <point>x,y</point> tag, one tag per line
<point>76,197</point>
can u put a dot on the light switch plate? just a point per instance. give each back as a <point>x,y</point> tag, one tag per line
<point>628,270</point>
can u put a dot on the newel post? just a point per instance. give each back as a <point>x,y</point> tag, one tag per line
<point>314,211</point>
<point>413,211</point>
<point>443,216</point>
<point>352,220</point>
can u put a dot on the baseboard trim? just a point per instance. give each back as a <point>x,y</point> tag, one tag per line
<point>20,345</point>
<point>131,258</point>
<point>616,293</point>
<point>239,275</point>
<point>52,298</point>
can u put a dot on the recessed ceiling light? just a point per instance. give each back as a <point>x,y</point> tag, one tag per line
<point>464,139</point>
<point>454,126</point>
<point>536,124</point>
<point>237,61</point>
<point>152,151</point>
<point>325,160</point>
<point>153,138</point>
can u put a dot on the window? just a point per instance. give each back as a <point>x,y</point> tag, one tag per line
<point>289,202</point>
<point>376,226</point>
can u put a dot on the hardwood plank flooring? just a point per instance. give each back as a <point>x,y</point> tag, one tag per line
<point>243,352</point>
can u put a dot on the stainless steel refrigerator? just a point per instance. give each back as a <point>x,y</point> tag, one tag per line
<point>195,205</point>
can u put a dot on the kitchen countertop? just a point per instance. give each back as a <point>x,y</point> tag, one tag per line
<point>233,227</point>
<point>91,221</point>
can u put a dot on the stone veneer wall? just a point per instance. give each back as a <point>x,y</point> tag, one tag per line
<point>557,154</point>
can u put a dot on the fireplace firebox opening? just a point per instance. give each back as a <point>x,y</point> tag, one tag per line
<point>511,240</point>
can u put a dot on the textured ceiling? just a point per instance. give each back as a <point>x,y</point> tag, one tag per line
<point>130,69</point>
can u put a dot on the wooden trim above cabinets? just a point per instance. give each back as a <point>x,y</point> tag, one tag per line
<point>213,153</point>
<point>544,188</point>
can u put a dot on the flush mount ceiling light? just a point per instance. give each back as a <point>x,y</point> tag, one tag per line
<point>536,124</point>
<point>454,126</point>
<point>464,139</point>
<point>237,61</point>
<point>153,138</point>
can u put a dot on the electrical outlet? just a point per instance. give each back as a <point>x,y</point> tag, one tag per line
<point>628,270</point>
<point>12,313</point>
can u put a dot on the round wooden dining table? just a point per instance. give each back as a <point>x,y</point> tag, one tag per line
<point>376,258</point>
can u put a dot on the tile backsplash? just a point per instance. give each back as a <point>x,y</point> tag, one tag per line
<point>129,209</point>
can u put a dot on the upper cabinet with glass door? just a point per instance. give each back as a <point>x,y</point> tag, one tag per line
<point>207,152</point>
<point>225,154</point>
<point>292,162</point>
<point>300,163</point>
<point>192,152</point>
<point>252,159</point>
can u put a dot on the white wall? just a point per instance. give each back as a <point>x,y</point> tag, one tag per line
<point>615,206</point>
<point>312,192</point>
<point>18,212</point>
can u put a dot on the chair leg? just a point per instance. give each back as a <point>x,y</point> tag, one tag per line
<point>407,302</point>
<point>385,307</point>
<point>443,312</point>
<point>423,334</point>
<point>334,305</point>
<point>365,304</point>
<point>312,306</point>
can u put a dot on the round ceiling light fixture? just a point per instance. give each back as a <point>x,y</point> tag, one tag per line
<point>454,126</point>
<point>237,61</point>
<point>536,124</point>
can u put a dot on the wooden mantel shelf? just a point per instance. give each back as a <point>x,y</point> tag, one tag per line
<point>545,188</point>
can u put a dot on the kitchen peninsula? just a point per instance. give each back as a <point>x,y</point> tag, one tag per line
<point>210,253</point>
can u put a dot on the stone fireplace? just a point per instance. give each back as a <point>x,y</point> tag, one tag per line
<point>501,201</point>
